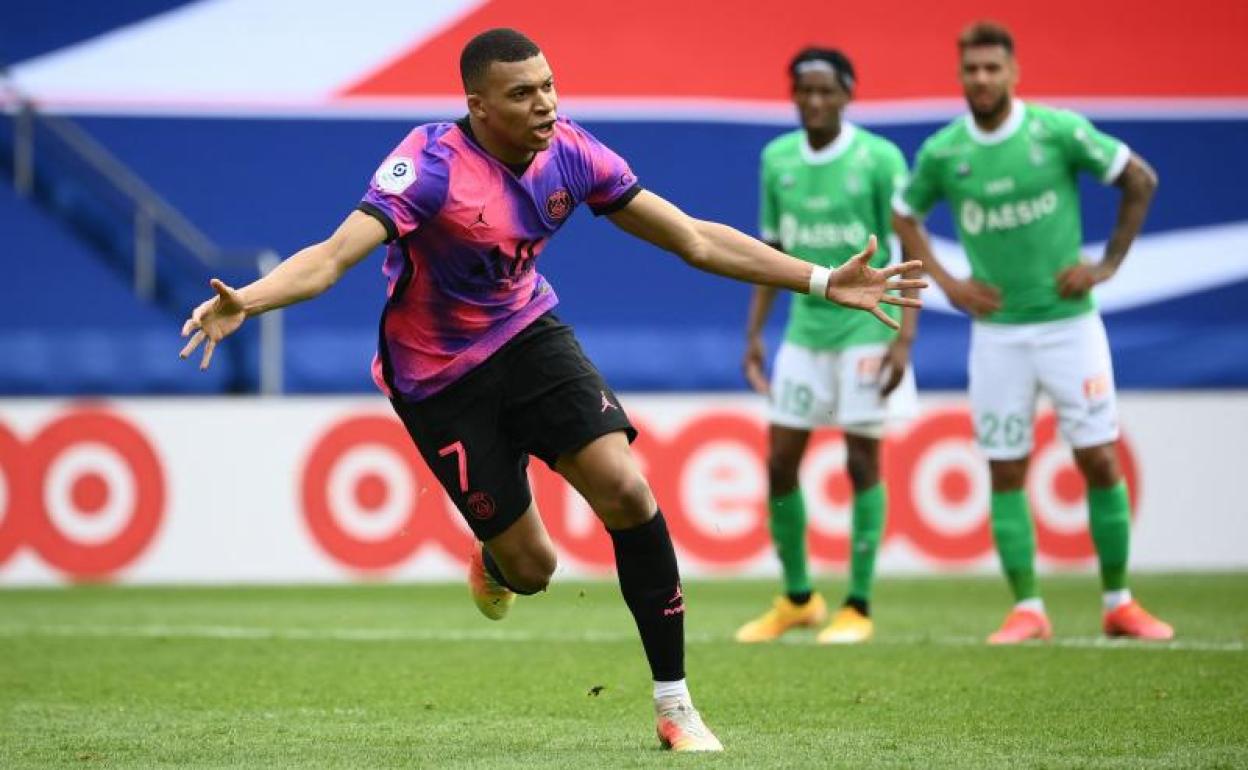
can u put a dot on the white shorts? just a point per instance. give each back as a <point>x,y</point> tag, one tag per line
<point>1068,360</point>
<point>814,388</point>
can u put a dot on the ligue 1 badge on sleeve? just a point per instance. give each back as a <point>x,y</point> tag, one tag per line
<point>396,174</point>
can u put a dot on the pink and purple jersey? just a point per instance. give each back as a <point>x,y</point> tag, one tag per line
<point>464,232</point>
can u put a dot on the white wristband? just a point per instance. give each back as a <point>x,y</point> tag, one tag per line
<point>819,277</point>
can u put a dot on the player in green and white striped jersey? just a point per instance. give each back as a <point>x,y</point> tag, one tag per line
<point>824,189</point>
<point>1009,173</point>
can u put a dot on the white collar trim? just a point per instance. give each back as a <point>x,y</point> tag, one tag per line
<point>1018,111</point>
<point>833,151</point>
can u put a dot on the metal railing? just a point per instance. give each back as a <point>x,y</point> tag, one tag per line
<point>157,229</point>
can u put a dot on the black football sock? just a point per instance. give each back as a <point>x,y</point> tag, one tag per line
<point>862,605</point>
<point>650,582</point>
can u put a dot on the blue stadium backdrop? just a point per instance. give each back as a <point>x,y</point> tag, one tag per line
<point>268,142</point>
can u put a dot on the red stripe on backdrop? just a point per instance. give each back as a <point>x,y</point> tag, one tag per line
<point>739,50</point>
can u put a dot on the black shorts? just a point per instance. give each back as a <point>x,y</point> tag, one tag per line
<point>537,395</point>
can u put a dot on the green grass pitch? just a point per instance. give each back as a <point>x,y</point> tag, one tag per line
<point>410,676</point>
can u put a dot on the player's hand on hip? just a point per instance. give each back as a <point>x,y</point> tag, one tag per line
<point>856,284</point>
<point>755,365</point>
<point>974,297</point>
<point>1077,280</point>
<point>893,367</point>
<point>214,320</point>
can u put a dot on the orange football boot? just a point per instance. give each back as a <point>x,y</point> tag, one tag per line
<point>783,616</point>
<point>1021,626</point>
<point>681,728</point>
<point>1133,621</point>
<point>491,598</point>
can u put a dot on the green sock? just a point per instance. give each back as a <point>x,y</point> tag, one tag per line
<point>788,532</point>
<point>1109,516</point>
<point>1016,543</point>
<point>868,527</point>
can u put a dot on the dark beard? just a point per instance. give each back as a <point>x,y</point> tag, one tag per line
<point>992,115</point>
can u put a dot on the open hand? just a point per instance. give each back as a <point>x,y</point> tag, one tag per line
<point>857,284</point>
<point>214,320</point>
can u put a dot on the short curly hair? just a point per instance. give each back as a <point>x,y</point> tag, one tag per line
<point>842,68</point>
<point>985,33</point>
<point>499,44</point>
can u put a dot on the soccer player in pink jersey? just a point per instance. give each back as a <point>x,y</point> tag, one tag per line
<point>477,367</point>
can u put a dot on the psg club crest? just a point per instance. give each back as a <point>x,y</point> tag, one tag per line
<point>559,204</point>
<point>481,505</point>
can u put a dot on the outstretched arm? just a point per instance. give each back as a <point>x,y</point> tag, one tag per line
<point>303,276</point>
<point>1138,182</point>
<point>724,251</point>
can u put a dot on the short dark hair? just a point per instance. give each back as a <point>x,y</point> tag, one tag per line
<point>499,44</point>
<point>842,67</point>
<point>984,33</point>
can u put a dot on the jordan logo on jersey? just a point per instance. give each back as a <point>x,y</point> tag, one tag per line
<point>606,402</point>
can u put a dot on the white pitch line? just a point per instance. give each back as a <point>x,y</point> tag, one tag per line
<point>586,637</point>
<point>314,634</point>
<point>1077,642</point>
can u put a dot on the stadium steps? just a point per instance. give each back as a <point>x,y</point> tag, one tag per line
<point>70,319</point>
<point>70,323</point>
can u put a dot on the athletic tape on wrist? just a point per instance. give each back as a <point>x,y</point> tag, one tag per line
<point>819,277</point>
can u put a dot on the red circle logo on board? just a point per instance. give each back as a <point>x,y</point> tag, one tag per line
<point>87,493</point>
